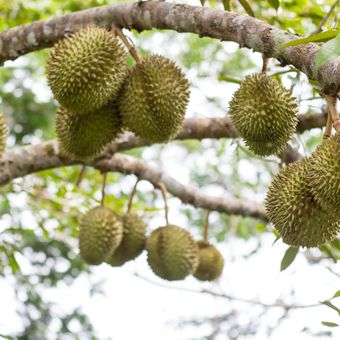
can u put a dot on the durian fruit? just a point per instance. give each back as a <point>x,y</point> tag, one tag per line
<point>172,252</point>
<point>86,70</point>
<point>294,211</point>
<point>154,99</point>
<point>133,242</point>
<point>3,134</point>
<point>324,175</point>
<point>100,233</point>
<point>85,136</point>
<point>264,113</point>
<point>211,262</point>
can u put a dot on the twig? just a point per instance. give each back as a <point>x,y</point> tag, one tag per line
<point>226,296</point>
<point>331,101</point>
<point>206,228</point>
<point>329,125</point>
<point>132,50</point>
<point>164,195</point>
<point>326,17</point>
<point>132,195</point>
<point>81,175</point>
<point>102,203</point>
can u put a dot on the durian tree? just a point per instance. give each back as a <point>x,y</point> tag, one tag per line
<point>162,135</point>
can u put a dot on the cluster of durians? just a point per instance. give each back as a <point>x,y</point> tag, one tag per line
<point>304,198</point>
<point>172,253</point>
<point>100,96</point>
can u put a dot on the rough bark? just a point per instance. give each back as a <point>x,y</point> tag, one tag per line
<point>225,26</point>
<point>27,160</point>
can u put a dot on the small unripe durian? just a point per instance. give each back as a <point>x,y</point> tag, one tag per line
<point>264,113</point>
<point>86,70</point>
<point>211,262</point>
<point>154,99</point>
<point>324,175</point>
<point>100,233</point>
<point>3,134</point>
<point>85,136</point>
<point>133,242</point>
<point>294,211</point>
<point>172,253</point>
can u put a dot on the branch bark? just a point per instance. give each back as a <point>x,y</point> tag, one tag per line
<point>225,26</point>
<point>27,160</point>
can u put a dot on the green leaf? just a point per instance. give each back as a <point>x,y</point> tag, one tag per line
<point>327,52</point>
<point>330,305</point>
<point>320,37</point>
<point>202,2</point>
<point>337,294</point>
<point>229,79</point>
<point>13,263</point>
<point>247,7</point>
<point>329,324</point>
<point>289,257</point>
<point>226,5</point>
<point>274,3</point>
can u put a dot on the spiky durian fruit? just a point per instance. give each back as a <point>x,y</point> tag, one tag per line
<point>85,136</point>
<point>133,242</point>
<point>172,252</point>
<point>294,211</point>
<point>264,113</point>
<point>100,233</point>
<point>3,134</point>
<point>211,262</point>
<point>86,70</point>
<point>324,175</point>
<point>154,99</point>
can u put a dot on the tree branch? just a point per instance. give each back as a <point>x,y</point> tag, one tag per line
<point>27,160</point>
<point>226,26</point>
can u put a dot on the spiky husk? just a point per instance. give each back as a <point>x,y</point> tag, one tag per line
<point>172,252</point>
<point>264,113</point>
<point>100,233</point>
<point>86,136</point>
<point>295,213</point>
<point>3,133</point>
<point>86,70</point>
<point>211,262</point>
<point>154,99</point>
<point>133,242</point>
<point>324,175</point>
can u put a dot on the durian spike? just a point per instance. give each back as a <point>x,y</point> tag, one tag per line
<point>206,227</point>
<point>80,175</point>
<point>102,203</point>
<point>331,101</point>
<point>132,195</point>
<point>131,48</point>
<point>164,195</point>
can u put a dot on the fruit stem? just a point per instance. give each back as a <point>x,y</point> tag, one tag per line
<point>81,175</point>
<point>331,101</point>
<point>132,195</point>
<point>206,227</point>
<point>329,125</point>
<point>265,64</point>
<point>164,195</point>
<point>132,50</point>
<point>102,203</point>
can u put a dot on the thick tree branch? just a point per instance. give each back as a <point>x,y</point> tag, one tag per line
<point>27,160</point>
<point>226,26</point>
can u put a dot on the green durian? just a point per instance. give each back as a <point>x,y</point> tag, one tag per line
<point>133,242</point>
<point>211,262</point>
<point>294,211</point>
<point>3,133</point>
<point>86,136</point>
<point>100,233</point>
<point>324,175</point>
<point>172,252</point>
<point>154,99</point>
<point>86,70</point>
<point>264,113</point>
